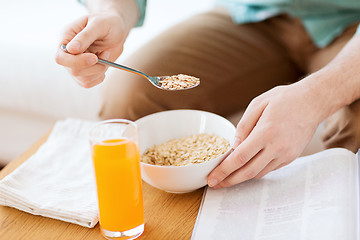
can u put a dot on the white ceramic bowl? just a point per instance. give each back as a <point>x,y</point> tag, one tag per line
<point>160,127</point>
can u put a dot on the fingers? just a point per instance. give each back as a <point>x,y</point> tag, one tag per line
<point>246,147</point>
<point>72,29</point>
<point>238,158</point>
<point>274,164</point>
<point>281,165</point>
<point>257,167</point>
<point>83,67</point>
<point>86,72</point>
<point>94,75</point>
<point>248,171</point>
<point>248,121</point>
<point>90,81</point>
<point>84,38</point>
<point>79,61</point>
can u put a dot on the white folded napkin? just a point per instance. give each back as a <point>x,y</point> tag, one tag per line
<point>58,180</point>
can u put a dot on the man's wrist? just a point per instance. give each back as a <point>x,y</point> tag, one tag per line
<point>323,86</point>
<point>126,9</point>
<point>329,90</point>
<point>337,84</point>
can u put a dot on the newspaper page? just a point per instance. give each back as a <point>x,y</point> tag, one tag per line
<point>315,197</point>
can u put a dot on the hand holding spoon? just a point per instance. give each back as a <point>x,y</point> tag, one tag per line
<point>176,82</point>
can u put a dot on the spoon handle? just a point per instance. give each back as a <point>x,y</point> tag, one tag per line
<point>115,65</point>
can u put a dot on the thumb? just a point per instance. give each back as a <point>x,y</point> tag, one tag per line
<point>247,122</point>
<point>82,41</point>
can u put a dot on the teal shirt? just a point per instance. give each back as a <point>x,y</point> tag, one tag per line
<point>323,19</point>
<point>142,9</point>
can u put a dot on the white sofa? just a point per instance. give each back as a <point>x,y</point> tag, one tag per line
<point>34,90</point>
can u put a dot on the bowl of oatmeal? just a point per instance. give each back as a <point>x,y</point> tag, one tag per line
<point>179,148</point>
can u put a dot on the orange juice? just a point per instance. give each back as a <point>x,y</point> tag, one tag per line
<point>118,180</point>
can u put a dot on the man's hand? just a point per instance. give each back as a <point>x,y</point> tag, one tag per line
<point>100,34</point>
<point>273,132</point>
<point>278,124</point>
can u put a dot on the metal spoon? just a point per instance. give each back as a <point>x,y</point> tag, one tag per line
<point>154,80</point>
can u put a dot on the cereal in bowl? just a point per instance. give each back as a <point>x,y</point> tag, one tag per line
<point>188,150</point>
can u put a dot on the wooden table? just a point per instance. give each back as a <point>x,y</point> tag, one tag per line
<point>167,216</point>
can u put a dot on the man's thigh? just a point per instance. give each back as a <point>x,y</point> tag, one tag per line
<point>235,63</point>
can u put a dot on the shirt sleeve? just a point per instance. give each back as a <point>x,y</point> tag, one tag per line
<point>142,10</point>
<point>358,30</point>
<point>141,6</point>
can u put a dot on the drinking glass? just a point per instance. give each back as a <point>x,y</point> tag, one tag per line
<point>116,161</point>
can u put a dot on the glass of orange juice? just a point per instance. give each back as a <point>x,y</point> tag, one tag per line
<point>116,161</point>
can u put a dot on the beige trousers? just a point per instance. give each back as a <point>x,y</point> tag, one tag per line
<point>235,64</point>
